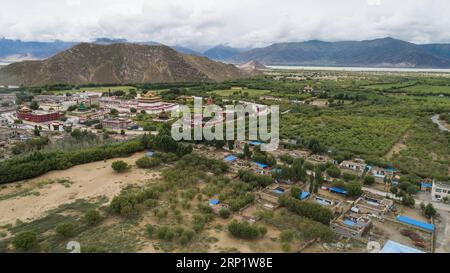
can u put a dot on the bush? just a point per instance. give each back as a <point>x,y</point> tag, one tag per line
<point>146,162</point>
<point>354,189</point>
<point>92,217</point>
<point>348,176</point>
<point>310,210</point>
<point>408,201</point>
<point>66,229</point>
<point>120,166</point>
<point>369,180</point>
<point>243,230</point>
<point>150,230</point>
<point>286,236</point>
<point>225,213</point>
<point>25,240</point>
<point>334,172</point>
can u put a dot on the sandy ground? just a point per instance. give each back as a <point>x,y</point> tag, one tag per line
<point>269,243</point>
<point>88,181</point>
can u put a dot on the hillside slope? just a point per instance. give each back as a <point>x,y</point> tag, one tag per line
<point>117,63</point>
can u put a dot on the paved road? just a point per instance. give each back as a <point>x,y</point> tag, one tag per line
<point>435,120</point>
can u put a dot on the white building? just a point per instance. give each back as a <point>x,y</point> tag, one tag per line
<point>440,190</point>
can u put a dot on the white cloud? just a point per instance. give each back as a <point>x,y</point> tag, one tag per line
<point>235,22</point>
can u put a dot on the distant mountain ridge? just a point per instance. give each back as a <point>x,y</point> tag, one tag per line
<point>223,53</point>
<point>386,52</point>
<point>16,50</point>
<point>117,63</point>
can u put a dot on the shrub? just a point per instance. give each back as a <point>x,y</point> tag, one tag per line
<point>120,166</point>
<point>354,189</point>
<point>224,213</point>
<point>92,217</point>
<point>334,172</point>
<point>243,230</point>
<point>25,240</point>
<point>348,176</point>
<point>310,210</point>
<point>150,230</point>
<point>369,180</point>
<point>146,162</point>
<point>286,236</point>
<point>66,229</point>
<point>408,200</point>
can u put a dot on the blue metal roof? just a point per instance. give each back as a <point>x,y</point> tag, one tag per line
<point>255,143</point>
<point>349,223</point>
<point>414,222</point>
<point>426,185</point>
<point>304,195</point>
<point>230,158</point>
<point>214,202</point>
<point>394,247</point>
<point>150,153</point>
<point>261,165</point>
<point>338,190</point>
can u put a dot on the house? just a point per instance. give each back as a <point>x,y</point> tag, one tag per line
<point>352,225</point>
<point>333,204</point>
<point>440,191</point>
<point>358,167</point>
<point>116,124</point>
<point>370,203</point>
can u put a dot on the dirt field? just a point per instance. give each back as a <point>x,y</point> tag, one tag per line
<point>30,199</point>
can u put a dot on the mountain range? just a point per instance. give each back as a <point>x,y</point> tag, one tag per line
<point>384,52</point>
<point>117,63</point>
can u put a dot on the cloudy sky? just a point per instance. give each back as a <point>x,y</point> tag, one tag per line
<point>240,23</point>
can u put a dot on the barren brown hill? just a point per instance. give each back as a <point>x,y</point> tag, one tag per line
<point>117,63</point>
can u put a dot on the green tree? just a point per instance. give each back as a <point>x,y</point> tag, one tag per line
<point>429,210</point>
<point>369,180</point>
<point>354,189</point>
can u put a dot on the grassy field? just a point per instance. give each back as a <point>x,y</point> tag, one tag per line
<point>427,89</point>
<point>387,86</point>
<point>251,92</point>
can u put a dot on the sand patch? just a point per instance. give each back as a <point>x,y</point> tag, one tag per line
<point>87,181</point>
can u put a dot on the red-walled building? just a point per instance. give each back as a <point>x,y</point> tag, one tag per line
<point>37,116</point>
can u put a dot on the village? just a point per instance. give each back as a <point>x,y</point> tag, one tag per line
<point>370,209</point>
